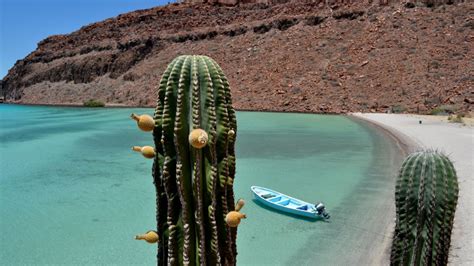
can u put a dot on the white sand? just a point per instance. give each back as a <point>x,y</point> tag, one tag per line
<point>457,141</point>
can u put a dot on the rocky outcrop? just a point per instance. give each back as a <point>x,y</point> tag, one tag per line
<point>290,56</point>
<point>235,2</point>
<point>411,3</point>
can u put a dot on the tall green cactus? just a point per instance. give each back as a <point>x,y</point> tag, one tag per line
<point>194,164</point>
<point>425,198</point>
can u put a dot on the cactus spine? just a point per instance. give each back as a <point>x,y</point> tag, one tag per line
<point>194,167</point>
<point>425,197</point>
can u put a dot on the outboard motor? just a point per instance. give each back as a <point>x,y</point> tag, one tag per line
<point>321,210</point>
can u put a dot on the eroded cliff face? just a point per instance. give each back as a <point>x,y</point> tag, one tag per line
<point>233,2</point>
<point>289,56</point>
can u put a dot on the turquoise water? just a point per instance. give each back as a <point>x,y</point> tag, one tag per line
<point>72,191</point>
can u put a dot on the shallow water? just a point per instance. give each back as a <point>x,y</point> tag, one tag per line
<point>72,192</point>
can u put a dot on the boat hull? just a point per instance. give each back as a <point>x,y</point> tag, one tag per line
<point>284,203</point>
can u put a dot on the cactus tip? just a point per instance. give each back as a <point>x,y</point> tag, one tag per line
<point>137,148</point>
<point>239,205</point>
<point>134,117</point>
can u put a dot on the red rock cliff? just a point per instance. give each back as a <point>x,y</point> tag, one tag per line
<point>290,56</point>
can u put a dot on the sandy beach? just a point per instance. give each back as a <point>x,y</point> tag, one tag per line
<point>457,141</point>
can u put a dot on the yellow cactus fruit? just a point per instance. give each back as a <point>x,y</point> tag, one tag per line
<point>144,122</point>
<point>198,138</point>
<point>150,237</point>
<point>239,205</point>
<point>233,218</point>
<point>146,151</point>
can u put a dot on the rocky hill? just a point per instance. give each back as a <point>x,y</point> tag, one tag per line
<point>301,56</point>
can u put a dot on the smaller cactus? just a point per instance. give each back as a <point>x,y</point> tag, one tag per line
<point>425,198</point>
<point>146,151</point>
<point>150,237</point>
<point>233,218</point>
<point>144,122</point>
<point>198,138</point>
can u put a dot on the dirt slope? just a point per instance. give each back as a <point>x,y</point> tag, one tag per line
<point>293,56</point>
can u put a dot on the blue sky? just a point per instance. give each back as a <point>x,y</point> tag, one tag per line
<point>23,23</point>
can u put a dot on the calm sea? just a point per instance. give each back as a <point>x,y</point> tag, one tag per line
<point>72,191</point>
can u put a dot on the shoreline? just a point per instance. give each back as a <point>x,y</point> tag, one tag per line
<point>467,120</point>
<point>75,105</point>
<point>453,139</point>
<point>405,146</point>
<point>404,142</point>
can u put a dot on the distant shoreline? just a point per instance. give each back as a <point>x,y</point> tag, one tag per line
<point>75,105</point>
<point>470,121</point>
<point>141,106</point>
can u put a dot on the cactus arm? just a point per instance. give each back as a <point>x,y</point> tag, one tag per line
<point>229,168</point>
<point>212,186</point>
<point>408,208</point>
<point>209,164</point>
<point>449,192</point>
<point>402,232</point>
<point>183,168</point>
<point>158,116</point>
<point>439,216</point>
<point>399,194</point>
<point>221,110</point>
<point>222,116</point>
<point>421,218</point>
<point>161,202</point>
<point>197,162</point>
<point>430,199</point>
<point>160,217</point>
<point>169,167</point>
<point>229,192</point>
<point>443,230</point>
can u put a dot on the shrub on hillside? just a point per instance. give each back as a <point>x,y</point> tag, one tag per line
<point>93,103</point>
<point>398,109</point>
<point>444,109</point>
<point>455,119</point>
